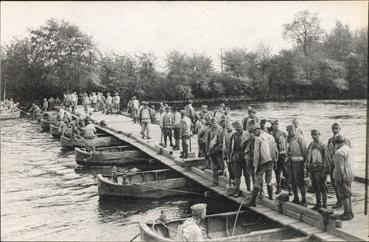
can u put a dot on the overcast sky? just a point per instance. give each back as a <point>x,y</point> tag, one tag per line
<point>158,27</point>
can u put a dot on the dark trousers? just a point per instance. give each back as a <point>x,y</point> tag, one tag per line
<point>185,144</point>
<point>167,134</point>
<point>334,184</point>
<point>279,168</point>
<point>296,177</point>
<point>266,169</point>
<point>240,167</point>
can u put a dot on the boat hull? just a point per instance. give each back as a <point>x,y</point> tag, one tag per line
<point>155,184</point>
<point>9,115</point>
<point>108,157</point>
<point>101,141</point>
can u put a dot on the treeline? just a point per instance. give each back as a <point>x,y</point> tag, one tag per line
<point>58,57</point>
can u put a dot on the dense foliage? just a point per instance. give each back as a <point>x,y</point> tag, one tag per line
<point>58,57</point>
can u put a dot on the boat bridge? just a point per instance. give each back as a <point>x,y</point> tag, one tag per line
<point>288,214</point>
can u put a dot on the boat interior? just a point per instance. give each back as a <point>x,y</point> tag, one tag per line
<point>144,176</point>
<point>249,227</point>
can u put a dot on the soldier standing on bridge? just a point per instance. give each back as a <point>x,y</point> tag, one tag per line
<point>318,167</point>
<point>336,129</point>
<point>280,138</point>
<point>296,154</point>
<point>343,175</point>
<point>251,118</point>
<point>213,145</point>
<point>185,126</point>
<point>145,118</point>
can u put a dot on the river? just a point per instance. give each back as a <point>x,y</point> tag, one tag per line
<point>45,195</point>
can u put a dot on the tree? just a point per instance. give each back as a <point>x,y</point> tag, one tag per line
<point>66,54</point>
<point>339,42</point>
<point>304,30</point>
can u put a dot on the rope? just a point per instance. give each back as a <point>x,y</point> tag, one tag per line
<point>238,212</point>
<point>134,237</point>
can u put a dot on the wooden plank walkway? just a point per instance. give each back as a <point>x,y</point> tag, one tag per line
<point>123,128</point>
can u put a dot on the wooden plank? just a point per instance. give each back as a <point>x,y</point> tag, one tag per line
<point>342,234</point>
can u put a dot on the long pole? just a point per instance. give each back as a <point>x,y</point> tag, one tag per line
<point>366,162</point>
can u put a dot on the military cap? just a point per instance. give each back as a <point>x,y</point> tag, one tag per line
<point>315,132</point>
<point>253,128</point>
<point>339,138</point>
<point>263,121</point>
<point>208,117</point>
<point>251,110</point>
<point>190,101</point>
<point>183,112</point>
<point>290,127</point>
<point>198,209</point>
<point>275,121</point>
<point>335,124</point>
<point>237,124</point>
<point>167,108</point>
<point>222,105</point>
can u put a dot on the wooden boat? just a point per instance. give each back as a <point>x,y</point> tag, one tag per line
<point>154,184</point>
<point>54,130</point>
<point>108,156</point>
<point>9,115</point>
<point>45,124</point>
<point>102,140</point>
<point>219,227</point>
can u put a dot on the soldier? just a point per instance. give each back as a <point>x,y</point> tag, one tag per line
<point>168,121</point>
<point>176,128</point>
<point>318,167</point>
<point>299,131</point>
<point>218,114</point>
<point>263,164</point>
<point>203,113</point>
<point>185,132</point>
<point>296,156</point>
<point>226,151</point>
<point>190,111</point>
<point>238,159</point>
<point>280,138</point>
<point>145,118</point>
<point>246,122</point>
<point>213,146</point>
<point>343,175</point>
<point>191,229</point>
<point>201,136</point>
<point>336,129</point>
<point>249,144</point>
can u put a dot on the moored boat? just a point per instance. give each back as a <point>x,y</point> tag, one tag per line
<point>9,115</point>
<point>105,156</point>
<point>220,227</point>
<point>100,141</point>
<point>154,184</point>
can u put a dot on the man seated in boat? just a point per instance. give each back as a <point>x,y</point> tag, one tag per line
<point>90,130</point>
<point>191,229</point>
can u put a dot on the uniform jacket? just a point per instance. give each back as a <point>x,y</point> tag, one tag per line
<point>343,164</point>
<point>321,158</point>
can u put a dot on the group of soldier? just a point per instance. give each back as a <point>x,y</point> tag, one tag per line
<point>253,150</point>
<point>8,105</point>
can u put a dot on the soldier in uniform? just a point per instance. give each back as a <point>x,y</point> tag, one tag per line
<point>318,167</point>
<point>296,156</point>
<point>343,175</point>
<point>213,146</point>
<point>191,229</point>
<point>280,138</point>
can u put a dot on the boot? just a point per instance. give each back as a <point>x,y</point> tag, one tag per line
<point>252,201</point>
<point>237,182</point>
<point>215,177</point>
<point>318,201</point>
<point>324,199</point>
<point>303,196</point>
<point>278,180</point>
<point>270,192</point>
<point>289,190</point>
<point>350,207</point>
<point>248,183</point>
<point>296,198</point>
<point>347,210</point>
<point>338,204</point>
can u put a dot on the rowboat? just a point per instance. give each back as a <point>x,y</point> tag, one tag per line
<point>54,130</point>
<point>9,115</point>
<point>102,140</point>
<point>45,125</point>
<point>108,156</point>
<point>220,227</point>
<point>154,184</point>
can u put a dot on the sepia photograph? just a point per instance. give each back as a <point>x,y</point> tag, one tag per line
<point>184,121</point>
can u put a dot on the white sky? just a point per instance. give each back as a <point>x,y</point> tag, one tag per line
<point>158,27</point>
